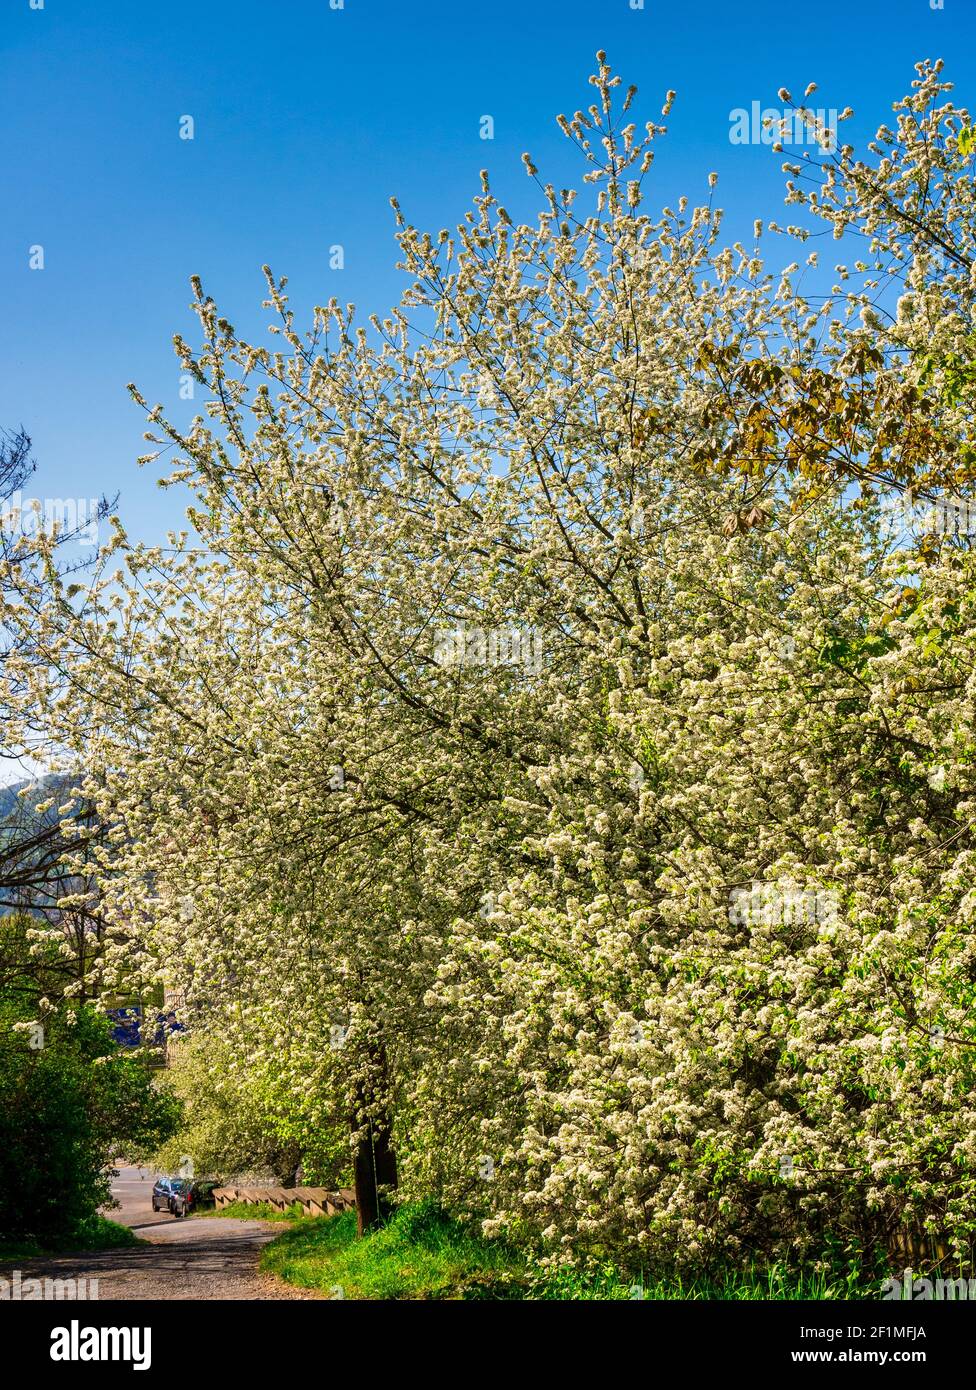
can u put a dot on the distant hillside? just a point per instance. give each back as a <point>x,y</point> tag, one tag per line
<point>11,803</point>
<point>30,844</point>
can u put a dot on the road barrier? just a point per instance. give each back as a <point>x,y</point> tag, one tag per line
<point>314,1201</point>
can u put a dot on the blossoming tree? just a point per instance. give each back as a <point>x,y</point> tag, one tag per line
<point>543,750</point>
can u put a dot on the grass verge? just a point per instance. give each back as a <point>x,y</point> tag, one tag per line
<point>258,1211</point>
<point>424,1254</point>
<point>420,1254</point>
<point>97,1233</point>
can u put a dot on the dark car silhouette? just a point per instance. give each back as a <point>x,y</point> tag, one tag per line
<point>161,1193</point>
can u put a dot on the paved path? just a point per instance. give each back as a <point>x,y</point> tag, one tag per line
<point>132,1189</point>
<point>187,1258</point>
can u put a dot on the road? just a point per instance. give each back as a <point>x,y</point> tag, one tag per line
<point>195,1258</point>
<point>132,1189</point>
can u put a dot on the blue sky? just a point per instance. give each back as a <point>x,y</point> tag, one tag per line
<point>307,119</point>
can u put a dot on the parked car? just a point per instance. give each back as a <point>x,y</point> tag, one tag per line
<point>189,1195</point>
<point>161,1193</point>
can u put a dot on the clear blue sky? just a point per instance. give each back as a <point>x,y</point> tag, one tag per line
<point>306,120</point>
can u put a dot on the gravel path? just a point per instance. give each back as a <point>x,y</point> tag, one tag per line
<point>187,1258</point>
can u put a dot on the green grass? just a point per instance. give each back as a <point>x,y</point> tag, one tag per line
<point>97,1233</point>
<point>19,1249</point>
<point>775,1283</point>
<point>259,1211</point>
<point>422,1253</point>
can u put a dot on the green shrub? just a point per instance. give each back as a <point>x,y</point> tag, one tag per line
<point>64,1109</point>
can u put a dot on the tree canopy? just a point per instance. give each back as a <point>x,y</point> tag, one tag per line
<point>548,755</point>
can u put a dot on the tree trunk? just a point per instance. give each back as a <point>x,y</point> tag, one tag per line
<point>375,1169</point>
